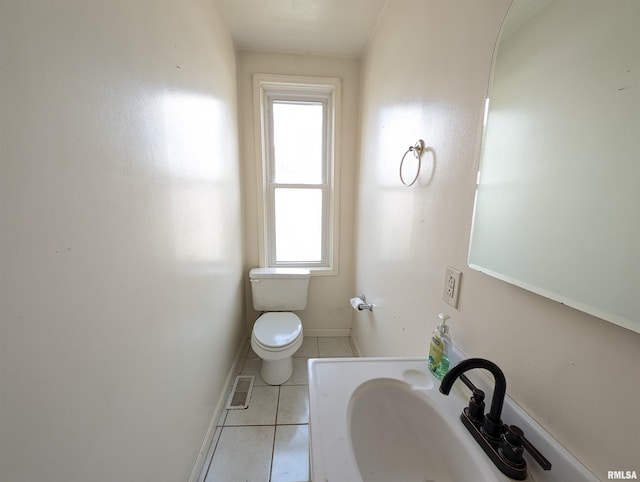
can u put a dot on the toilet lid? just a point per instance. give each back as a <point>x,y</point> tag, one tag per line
<point>276,329</point>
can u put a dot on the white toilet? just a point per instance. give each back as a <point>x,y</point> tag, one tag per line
<point>277,334</point>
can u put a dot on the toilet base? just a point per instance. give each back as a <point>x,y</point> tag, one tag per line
<point>276,372</point>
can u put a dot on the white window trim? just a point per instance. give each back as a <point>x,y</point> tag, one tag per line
<point>263,84</point>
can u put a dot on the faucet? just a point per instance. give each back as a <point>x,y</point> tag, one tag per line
<point>503,444</point>
<point>492,424</point>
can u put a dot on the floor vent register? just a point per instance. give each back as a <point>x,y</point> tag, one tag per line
<point>241,393</point>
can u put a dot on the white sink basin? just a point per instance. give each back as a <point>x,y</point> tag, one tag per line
<point>397,433</point>
<point>383,419</point>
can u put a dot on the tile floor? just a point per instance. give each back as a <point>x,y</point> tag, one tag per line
<point>269,441</point>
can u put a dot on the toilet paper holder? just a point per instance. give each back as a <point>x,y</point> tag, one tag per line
<point>360,303</point>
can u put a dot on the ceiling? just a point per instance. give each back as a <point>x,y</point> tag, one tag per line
<point>336,27</point>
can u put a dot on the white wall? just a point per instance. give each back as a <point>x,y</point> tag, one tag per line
<point>121,261</point>
<point>328,311</point>
<point>574,373</point>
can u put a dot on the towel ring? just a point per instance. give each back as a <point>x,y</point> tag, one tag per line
<point>417,149</point>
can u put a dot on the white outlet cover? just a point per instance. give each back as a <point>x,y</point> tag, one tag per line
<point>451,289</point>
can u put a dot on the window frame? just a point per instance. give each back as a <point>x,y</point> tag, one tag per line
<point>267,89</point>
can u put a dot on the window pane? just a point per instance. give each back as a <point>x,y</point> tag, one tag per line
<point>297,143</point>
<point>298,222</point>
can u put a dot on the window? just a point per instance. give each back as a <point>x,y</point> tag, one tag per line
<point>296,120</point>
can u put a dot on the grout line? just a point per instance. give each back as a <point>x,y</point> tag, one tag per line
<point>273,451</point>
<point>215,447</point>
<point>278,403</point>
<point>258,425</point>
<point>267,425</point>
<point>275,427</point>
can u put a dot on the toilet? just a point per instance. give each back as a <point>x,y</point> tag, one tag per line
<point>277,333</point>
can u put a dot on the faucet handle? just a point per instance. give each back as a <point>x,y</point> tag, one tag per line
<point>511,445</point>
<point>475,409</point>
<point>515,436</point>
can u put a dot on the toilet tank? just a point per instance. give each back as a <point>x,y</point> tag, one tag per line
<point>279,289</point>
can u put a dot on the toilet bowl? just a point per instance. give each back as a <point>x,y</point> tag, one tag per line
<point>277,333</point>
<point>276,336</point>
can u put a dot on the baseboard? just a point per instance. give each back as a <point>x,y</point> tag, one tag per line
<point>354,345</point>
<point>327,332</point>
<point>199,469</point>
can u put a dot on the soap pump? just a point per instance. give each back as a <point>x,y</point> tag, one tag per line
<point>440,348</point>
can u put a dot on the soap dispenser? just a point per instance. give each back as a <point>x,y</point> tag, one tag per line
<point>440,348</point>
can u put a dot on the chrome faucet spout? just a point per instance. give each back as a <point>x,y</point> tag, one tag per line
<point>499,390</point>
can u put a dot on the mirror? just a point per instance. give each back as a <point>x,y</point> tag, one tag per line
<point>558,198</point>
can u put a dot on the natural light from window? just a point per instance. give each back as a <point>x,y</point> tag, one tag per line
<point>297,124</point>
<point>298,172</point>
<point>297,139</point>
<point>298,225</point>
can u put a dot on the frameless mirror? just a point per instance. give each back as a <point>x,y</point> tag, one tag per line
<point>558,203</point>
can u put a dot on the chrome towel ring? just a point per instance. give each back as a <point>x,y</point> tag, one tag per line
<point>417,149</point>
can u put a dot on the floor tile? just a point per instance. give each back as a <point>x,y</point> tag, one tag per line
<point>308,349</point>
<point>271,437</point>
<point>243,453</point>
<point>293,406</point>
<point>261,411</point>
<point>291,454</point>
<point>251,353</point>
<point>252,368</point>
<point>334,346</point>
<point>300,372</point>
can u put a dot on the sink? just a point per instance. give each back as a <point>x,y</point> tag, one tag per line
<point>383,419</point>
<point>397,433</point>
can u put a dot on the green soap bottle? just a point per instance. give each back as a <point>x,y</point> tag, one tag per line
<point>440,348</point>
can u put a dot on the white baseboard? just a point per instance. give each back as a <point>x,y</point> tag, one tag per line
<point>327,332</point>
<point>199,468</point>
<point>354,345</point>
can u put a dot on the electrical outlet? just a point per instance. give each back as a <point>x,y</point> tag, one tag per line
<point>451,291</point>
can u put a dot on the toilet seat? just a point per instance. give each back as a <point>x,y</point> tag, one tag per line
<point>275,331</point>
